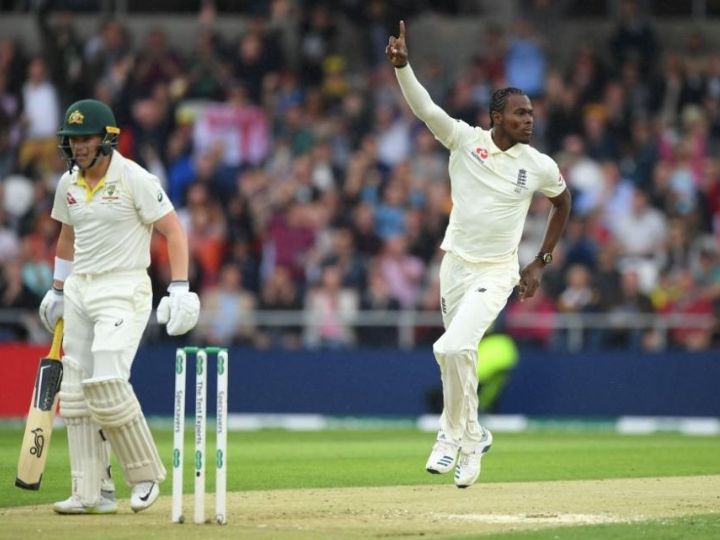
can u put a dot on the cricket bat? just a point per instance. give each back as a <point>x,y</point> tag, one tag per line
<point>38,429</point>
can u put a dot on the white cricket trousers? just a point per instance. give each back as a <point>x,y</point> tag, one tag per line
<point>105,317</point>
<point>471,297</point>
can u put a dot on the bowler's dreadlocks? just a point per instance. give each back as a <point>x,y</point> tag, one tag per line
<point>499,100</point>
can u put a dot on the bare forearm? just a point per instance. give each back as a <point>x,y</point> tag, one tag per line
<point>177,244</point>
<point>66,243</point>
<point>178,255</point>
<point>557,220</point>
<point>65,250</point>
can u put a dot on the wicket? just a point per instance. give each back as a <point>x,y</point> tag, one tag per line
<point>201,362</point>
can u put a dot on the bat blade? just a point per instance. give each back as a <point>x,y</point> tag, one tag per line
<point>38,429</point>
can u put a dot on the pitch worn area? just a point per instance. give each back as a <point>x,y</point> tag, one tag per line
<point>407,511</point>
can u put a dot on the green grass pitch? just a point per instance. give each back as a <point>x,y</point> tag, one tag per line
<point>276,459</point>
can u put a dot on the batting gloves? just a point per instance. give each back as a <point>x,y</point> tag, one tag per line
<point>51,308</point>
<point>179,310</point>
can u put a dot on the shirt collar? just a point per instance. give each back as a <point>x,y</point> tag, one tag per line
<point>514,151</point>
<point>113,171</point>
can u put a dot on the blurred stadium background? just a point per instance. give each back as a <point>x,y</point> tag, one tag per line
<point>315,202</point>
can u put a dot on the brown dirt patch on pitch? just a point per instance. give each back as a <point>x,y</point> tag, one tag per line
<point>387,512</point>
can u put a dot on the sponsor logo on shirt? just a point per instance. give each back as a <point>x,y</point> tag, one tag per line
<point>480,154</point>
<point>70,199</point>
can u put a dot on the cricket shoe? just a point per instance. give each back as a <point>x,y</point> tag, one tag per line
<point>443,455</point>
<point>143,495</point>
<point>73,505</point>
<point>468,466</point>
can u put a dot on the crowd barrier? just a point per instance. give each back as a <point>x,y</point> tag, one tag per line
<point>393,383</point>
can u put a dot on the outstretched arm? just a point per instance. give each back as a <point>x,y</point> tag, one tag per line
<point>420,102</point>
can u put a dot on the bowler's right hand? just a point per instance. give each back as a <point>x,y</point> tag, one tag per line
<point>51,308</point>
<point>396,50</point>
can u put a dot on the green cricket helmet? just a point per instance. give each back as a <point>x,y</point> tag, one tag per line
<point>88,117</point>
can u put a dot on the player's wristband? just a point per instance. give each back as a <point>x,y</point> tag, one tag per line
<point>178,286</point>
<point>63,269</point>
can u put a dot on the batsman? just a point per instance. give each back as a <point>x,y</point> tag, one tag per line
<point>108,206</point>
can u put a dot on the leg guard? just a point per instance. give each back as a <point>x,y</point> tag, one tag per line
<point>89,460</point>
<point>107,485</point>
<point>117,410</point>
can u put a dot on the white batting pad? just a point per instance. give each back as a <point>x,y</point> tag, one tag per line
<point>72,399</point>
<point>115,407</point>
<point>106,482</point>
<point>88,459</point>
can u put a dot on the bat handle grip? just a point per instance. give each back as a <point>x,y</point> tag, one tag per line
<point>57,339</point>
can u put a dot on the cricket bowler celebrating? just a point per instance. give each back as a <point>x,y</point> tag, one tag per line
<point>493,175</point>
<point>108,206</point>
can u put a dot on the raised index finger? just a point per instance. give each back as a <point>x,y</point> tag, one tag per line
<point>402,30</point>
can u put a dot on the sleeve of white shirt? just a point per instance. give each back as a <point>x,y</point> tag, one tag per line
<point>151,201</point>
<point>553,183</point>
<point>437,120</point>
<point>60,204</point>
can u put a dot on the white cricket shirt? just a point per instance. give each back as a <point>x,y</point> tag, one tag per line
<point>491,190</point>
<point>112,222</point>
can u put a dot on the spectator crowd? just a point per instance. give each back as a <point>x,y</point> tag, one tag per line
<point>306,185</point>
